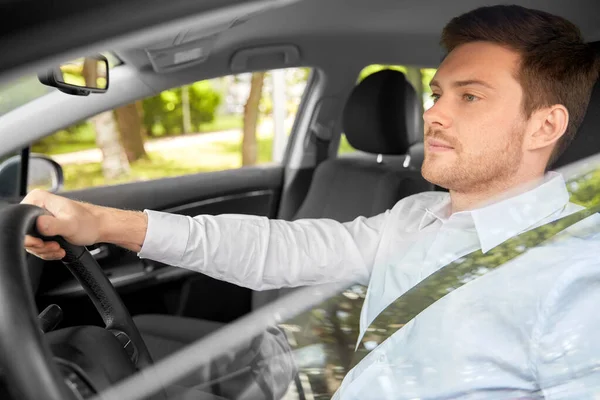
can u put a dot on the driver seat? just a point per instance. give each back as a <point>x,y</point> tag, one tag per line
<point>381,119</point>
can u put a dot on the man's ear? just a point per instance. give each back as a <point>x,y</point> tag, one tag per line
<point>547,126</point>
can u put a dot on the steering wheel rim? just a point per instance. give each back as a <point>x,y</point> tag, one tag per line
<point>35,372</point>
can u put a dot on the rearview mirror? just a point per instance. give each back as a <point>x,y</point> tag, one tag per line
<point>79,77</point>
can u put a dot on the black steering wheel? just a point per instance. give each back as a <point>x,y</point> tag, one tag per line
<point>83,359</point>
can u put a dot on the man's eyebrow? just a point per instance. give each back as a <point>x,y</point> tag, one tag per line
<point>467,82</point>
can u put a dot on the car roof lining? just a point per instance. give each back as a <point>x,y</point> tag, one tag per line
<point>414,28</point>
<point>407,33</point>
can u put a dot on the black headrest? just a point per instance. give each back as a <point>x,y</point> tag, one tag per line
<point>587,139</point>
<point>383,115</point>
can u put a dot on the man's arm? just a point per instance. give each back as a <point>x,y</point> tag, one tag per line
<point>247,250</point>
<point>261,253</point>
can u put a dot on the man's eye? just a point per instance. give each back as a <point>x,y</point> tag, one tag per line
<point>435,97</point>
<point>470,98</point>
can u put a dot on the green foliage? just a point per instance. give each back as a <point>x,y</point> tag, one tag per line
<point>223,123</point>
<point>371,69</point>
<point>162,116</point>
<point>81,136</point>
<point>163,113</point>
<point>585,189</point>
<point>426,73</point>
<point>345,146</point>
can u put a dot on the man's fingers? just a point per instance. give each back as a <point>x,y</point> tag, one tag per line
<point>47,255</point>
<point>52,256</point>
<point>36,243</point>
<point>31,241</point>
<point>35,197</point>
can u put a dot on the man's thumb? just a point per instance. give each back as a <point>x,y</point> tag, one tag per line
<point>51,226</point>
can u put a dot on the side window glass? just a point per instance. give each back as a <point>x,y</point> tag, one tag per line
<point>211,125</point>
<point>418,77</point>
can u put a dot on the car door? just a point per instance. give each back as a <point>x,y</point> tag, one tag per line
<point>194,161</point>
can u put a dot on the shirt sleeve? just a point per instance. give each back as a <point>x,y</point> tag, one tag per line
<point>566,343</point>
<point>262,253</point>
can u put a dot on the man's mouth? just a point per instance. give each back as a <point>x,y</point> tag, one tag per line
<point>438,146</point>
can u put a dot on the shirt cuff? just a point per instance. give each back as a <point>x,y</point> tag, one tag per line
<point>166,237</point>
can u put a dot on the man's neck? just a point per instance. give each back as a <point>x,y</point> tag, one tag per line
<point>491,193</point>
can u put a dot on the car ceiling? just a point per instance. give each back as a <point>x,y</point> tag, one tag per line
<point>322,29</point>
<point>381,29</point>
<point>386,30</point>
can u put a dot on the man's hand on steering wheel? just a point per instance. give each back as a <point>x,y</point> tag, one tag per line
<point>82,224</point>
<point>78,223</point>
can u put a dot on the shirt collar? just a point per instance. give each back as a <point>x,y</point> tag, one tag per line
<point>499,221</point>
<point>440,211</point>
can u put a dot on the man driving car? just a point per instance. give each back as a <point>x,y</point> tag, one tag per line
<point>509,98</point>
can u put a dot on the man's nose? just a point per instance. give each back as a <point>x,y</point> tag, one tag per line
<point>438,115</point>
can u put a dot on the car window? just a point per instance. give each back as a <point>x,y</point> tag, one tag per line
<point>211,125</point>
<point>418,77</point>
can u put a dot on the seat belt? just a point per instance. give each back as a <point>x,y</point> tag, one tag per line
<point>454,275</point>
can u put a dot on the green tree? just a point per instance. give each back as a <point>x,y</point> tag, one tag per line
<point>163,113</point>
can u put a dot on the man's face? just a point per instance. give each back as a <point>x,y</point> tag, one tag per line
<point>474,131</point>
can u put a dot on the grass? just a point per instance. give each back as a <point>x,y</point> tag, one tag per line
<point>215,156</point>
<point>223,123</point>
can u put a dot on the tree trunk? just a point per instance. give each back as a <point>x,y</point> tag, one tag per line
<point>90,72</point>
<point>129,123</point>
<point>185,109</point>
<point>251,113</point>
<point>114,159</point>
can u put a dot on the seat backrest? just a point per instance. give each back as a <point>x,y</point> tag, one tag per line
<point>381,118</point>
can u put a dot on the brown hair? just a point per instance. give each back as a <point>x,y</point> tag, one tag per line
<point>556,66</point>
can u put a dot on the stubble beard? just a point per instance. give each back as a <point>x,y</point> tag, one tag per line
<point>470,172</point>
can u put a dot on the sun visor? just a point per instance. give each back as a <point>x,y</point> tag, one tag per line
<point>194,45</point>
<point>181,55</point>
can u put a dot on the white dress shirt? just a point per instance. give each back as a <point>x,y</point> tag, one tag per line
<point>528,329</point>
